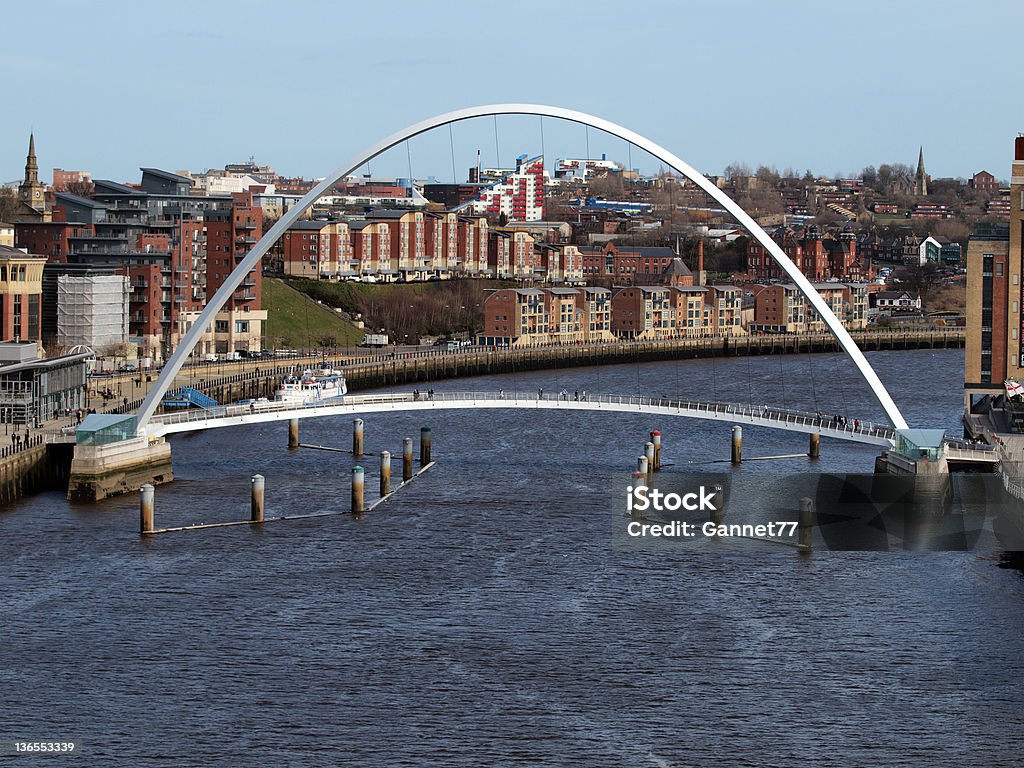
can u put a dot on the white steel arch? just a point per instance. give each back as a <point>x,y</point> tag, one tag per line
<point>253,258</point>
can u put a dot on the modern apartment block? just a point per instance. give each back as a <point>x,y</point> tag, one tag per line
<point>318,249</point>
<point>530,316</point>
<point>644,312</point>
<point>782,308</point>
<point>176,248</point>
<point>519,196</point>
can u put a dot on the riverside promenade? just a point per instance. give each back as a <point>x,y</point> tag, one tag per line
<point>364,369</point>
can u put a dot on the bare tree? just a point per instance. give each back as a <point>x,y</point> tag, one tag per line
<point>732,170</point>
<point>921,279</point>
<point>9,204</point>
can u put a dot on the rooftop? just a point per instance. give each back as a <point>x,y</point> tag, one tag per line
<point>167,175</point>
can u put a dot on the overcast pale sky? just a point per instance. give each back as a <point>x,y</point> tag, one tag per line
<point>303,87</point>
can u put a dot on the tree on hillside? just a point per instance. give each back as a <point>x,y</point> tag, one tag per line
<point>921,279</point>
<point>608,186</point>
<point>9,204</point>
<point>732,170</point>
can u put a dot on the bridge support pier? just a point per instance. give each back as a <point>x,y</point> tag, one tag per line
<point>656,439</point>
<point>146,509</point>
<point>737,445</point>
<point>357,490</point>
<point>406,459</point>
<point>357,438</point>
<point>424,446</point>
<point>814,449</point>
<point>385,473</point>
<point>293,434</point>
<point>256,503</point>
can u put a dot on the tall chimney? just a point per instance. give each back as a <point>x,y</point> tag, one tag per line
<point>1018,148</point>
<point>700,255</point>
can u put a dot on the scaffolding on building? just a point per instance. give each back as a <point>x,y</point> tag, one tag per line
<point>92,310</point>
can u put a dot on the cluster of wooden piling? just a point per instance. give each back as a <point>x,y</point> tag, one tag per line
<point>358,506</point>
<point>650,462</point>
<point>813,448</point>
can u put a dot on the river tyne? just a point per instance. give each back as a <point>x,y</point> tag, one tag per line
<point>483,617</point>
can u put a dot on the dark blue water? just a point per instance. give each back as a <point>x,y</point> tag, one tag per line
<point>483,616</point>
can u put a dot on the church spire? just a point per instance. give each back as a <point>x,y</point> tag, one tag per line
<point>31,191</point>
<point>31,166</point>
<point>921,178</point>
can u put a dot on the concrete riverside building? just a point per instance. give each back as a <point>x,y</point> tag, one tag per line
<point>33,389</point>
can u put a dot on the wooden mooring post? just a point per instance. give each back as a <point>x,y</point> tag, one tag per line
<point>656,439</point>
<point>805,524</point>
<point>406,459</point>
<point>256,508</point>
<point>357,490</point>
<point>357,438</point>
<point>146,494</point>
<point>385,473</point>
<point>424,446</point>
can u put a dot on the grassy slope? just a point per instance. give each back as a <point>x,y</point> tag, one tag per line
<point>408,309</point>
<point>294,320</point>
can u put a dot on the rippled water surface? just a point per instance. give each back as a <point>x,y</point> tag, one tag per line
<point>482,617</point>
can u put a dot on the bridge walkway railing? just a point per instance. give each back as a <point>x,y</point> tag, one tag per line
<point>766,415</point>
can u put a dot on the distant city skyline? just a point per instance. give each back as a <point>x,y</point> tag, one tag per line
<point>810,87</point>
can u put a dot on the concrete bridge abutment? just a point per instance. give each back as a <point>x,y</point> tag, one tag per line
<point>101,471</point>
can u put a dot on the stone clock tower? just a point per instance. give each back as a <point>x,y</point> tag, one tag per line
<point>31,191</point>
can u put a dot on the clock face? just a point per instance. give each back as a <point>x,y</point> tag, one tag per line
<point>36,193</point>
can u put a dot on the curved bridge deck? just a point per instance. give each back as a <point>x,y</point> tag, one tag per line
<point>733,413</point>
